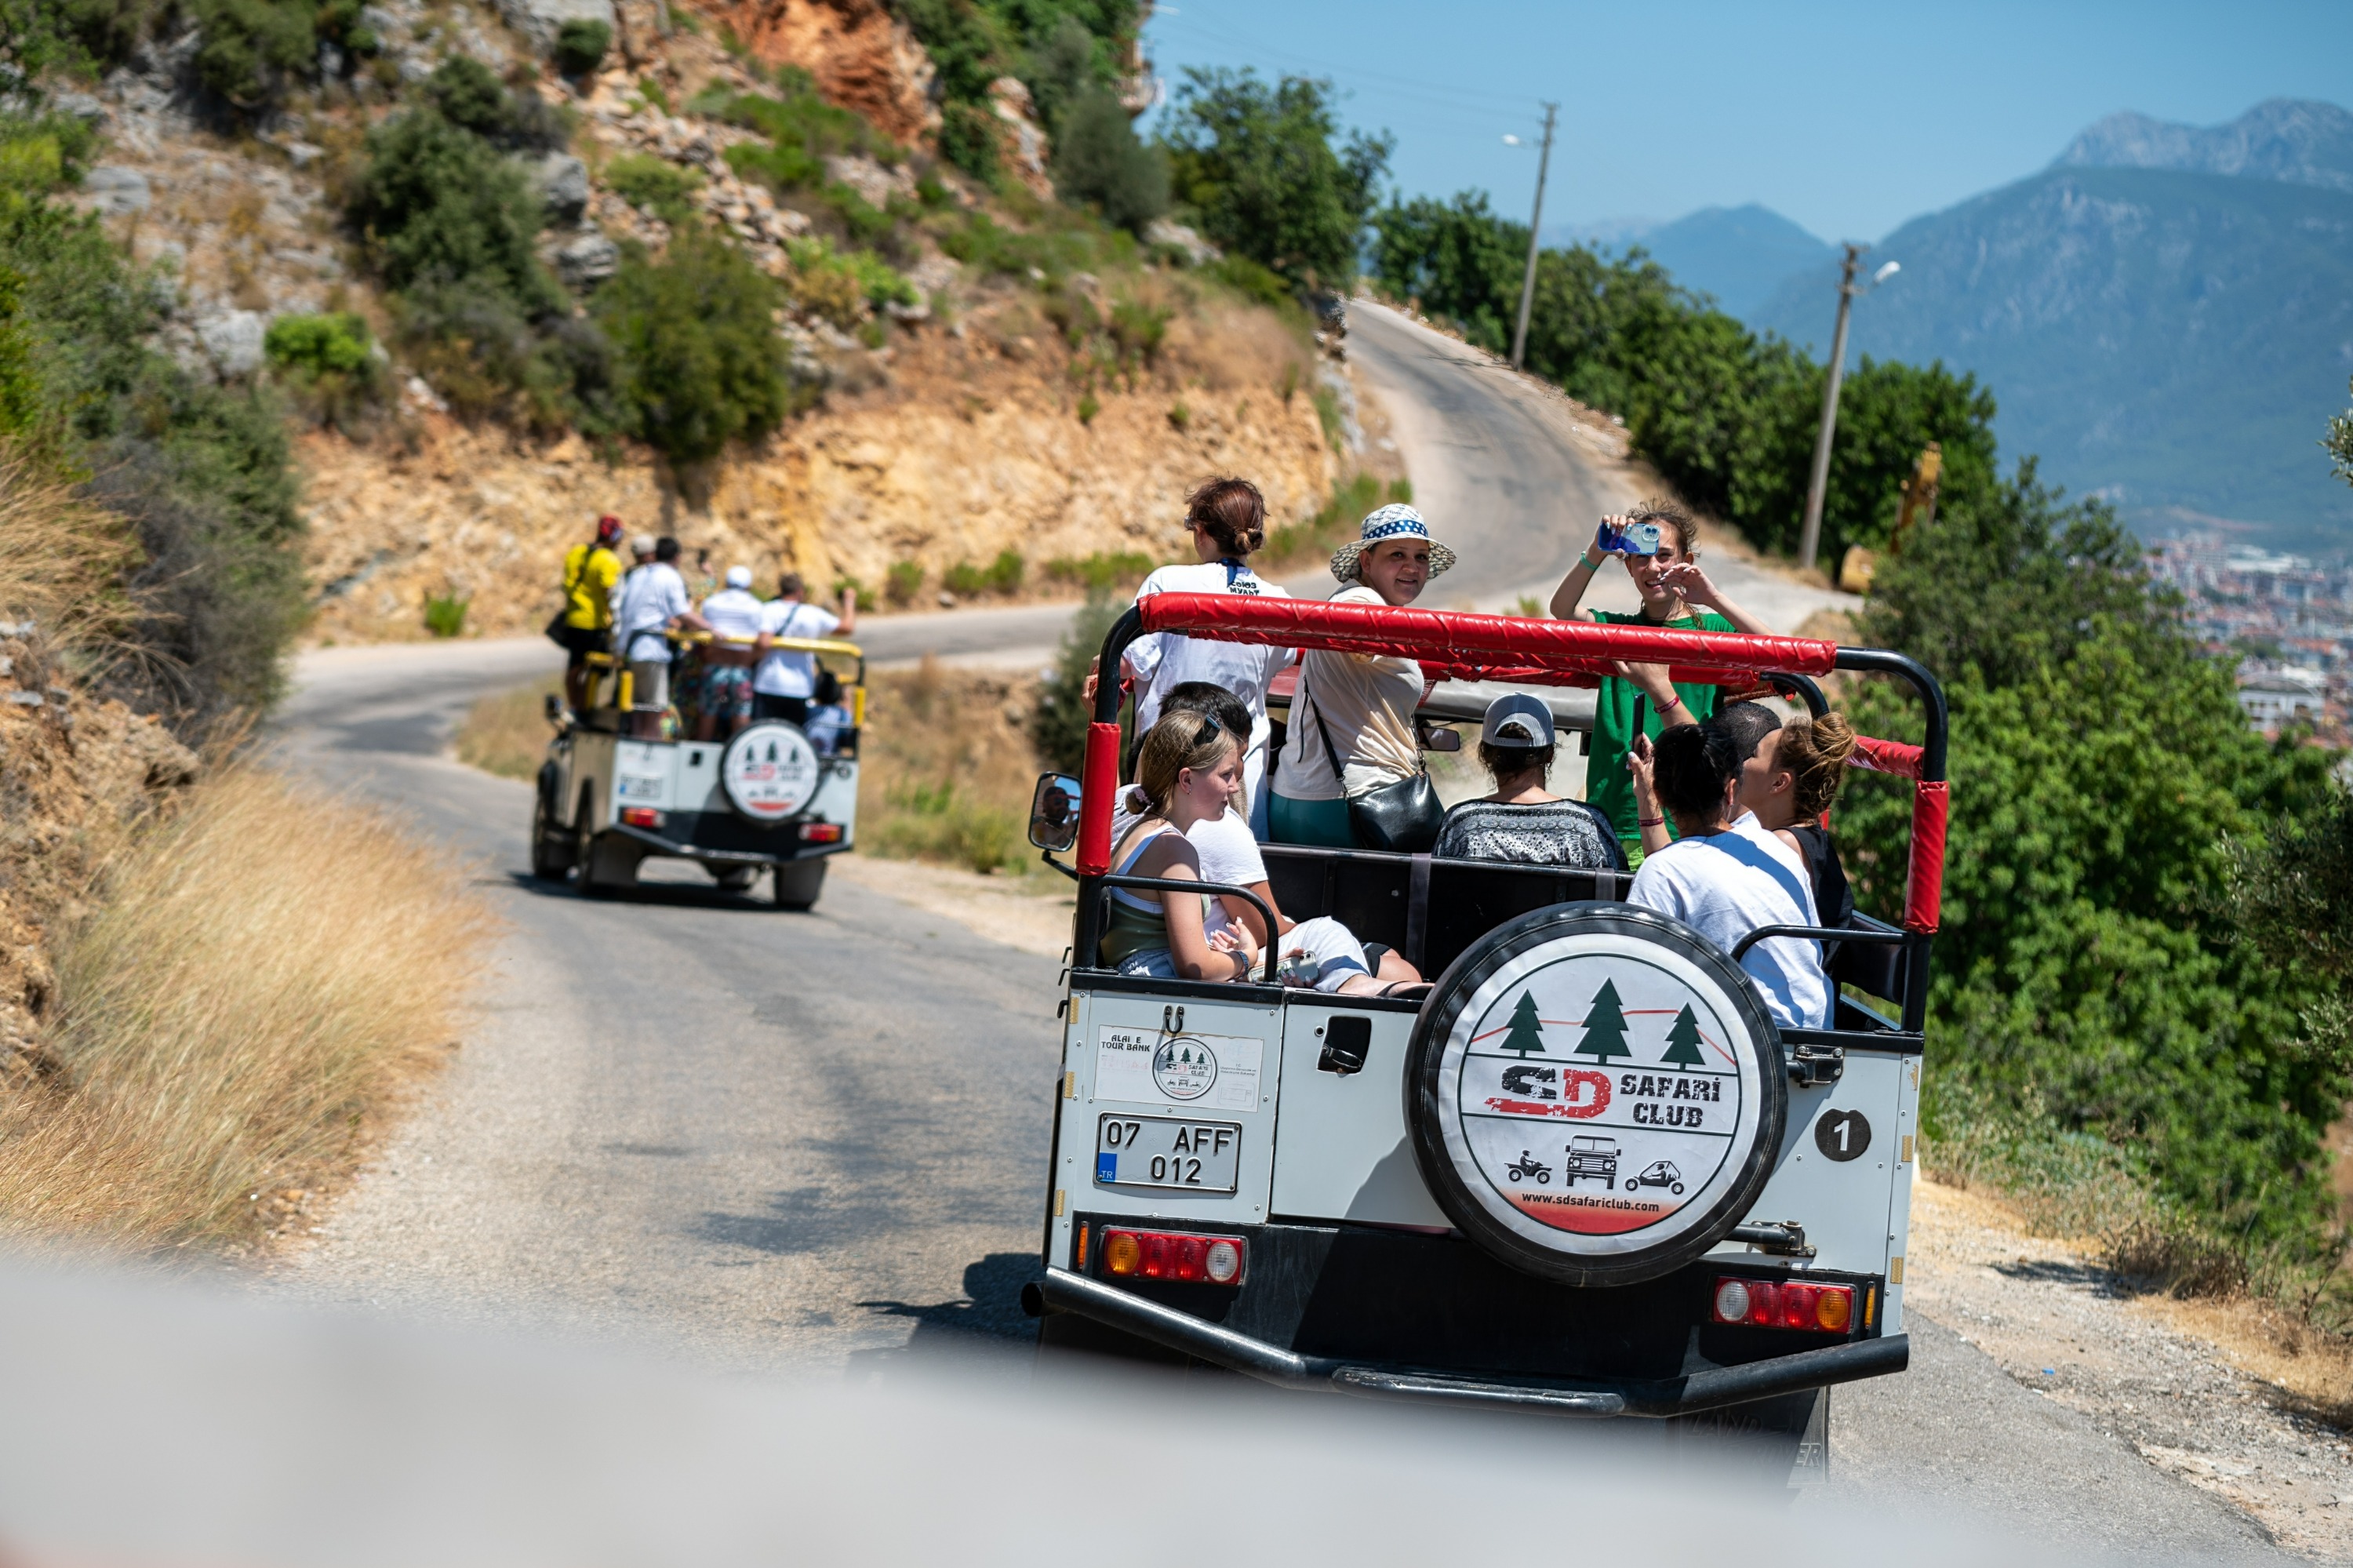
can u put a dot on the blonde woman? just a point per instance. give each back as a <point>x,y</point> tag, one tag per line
<point>1190,771</point>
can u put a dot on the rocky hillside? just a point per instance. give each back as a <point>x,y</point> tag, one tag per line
<point>972,371</point>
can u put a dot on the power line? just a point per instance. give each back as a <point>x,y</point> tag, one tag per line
<point>1438,94</point>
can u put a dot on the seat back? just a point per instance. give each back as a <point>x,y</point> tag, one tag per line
<point>1428,909</point>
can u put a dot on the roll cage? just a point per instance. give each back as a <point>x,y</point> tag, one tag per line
<point>1891,961</point>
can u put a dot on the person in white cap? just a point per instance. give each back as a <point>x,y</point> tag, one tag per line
<point>1523,823</point>
<point>1351,733</point>
<point>732,617</point>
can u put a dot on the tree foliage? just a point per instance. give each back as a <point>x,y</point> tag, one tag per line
<point>199,474</point>
<point>2338,444</point>
<point>1058,49</point>
<point>1727,417</point>
<point>2091,971</point>
<point>1099,161</point>
<point>701,364</point>
<point>1265,173</point>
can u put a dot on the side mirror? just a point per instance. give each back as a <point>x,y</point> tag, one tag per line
<point>1436,739</point>
<point>1054,813</point>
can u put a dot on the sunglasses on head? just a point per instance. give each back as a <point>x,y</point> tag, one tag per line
<point>1210,729</point>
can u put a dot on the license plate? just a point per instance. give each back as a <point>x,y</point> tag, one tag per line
<point>631,787</point>
<point>1163,1151</point>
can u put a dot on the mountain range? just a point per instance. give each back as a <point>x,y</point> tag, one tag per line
<point>2165,313</point>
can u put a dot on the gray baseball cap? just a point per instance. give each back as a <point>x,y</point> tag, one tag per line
<point>1527,713</point>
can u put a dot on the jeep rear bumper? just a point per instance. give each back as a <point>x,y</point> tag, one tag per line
<point>1712,1389</point>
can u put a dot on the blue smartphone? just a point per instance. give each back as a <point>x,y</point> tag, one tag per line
<point>1631,539</point>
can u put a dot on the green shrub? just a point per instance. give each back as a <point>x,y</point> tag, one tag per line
<point>200,476</point>
<point>903,582</point>
<point>1057,723</point>
<point>654,186</point>
<point>842,286</point>
<point>1180,418</point>
<point>249,48</point>
<point>1006,572</point>
<point>1139,329</point>
<point>317,346</point>
<point>700,362</point>
<point>651,92</point>
<point>580,45</point>
<point>437,205</point>
<point>968,136</point>
<point>330,360</point>
<point>1001,575</point>
<point>860,595</point>
<point>1098,159</point>
<point>468,96</point>
<point>782,168</point>
<point>1252,281</point>
<point>445,614</point>
<point>1101,572</point>
<point>1089,406</point>
<point>939,822</point>
<point>472,342</point>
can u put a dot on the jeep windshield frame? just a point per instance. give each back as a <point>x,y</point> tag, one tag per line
<point>1455,645</point>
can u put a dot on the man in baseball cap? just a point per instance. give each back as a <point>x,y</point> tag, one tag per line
<point>583,625</point>
<point>1522,821</point>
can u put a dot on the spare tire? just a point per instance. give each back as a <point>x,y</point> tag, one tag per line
<point>770,772</point>
<point>1596,1094</point>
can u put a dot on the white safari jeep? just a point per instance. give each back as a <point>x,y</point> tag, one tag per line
<point>772,797</point>
<point>1587,1175</point>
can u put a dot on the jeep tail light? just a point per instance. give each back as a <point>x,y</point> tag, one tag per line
<point>1788,1304</point>
<point>1172,1254</point>
<point>820,832</point>
<point>640,817</point>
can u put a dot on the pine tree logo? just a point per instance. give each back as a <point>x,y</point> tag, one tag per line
<point>1605,1026</point>
<point>1526,1035</point>
<point>1683,1041</point>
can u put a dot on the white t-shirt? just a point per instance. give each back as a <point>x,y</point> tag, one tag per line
<point>1729,883</point>
<point>1163,660</point>
<point>734,612</point>
<point>1366,702</point>
<point>785,671</point>
<point>650,596</point>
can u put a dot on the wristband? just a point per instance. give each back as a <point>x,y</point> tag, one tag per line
<point>1675,700</point>
<point>1590,564</point>
<point>1651,822</point>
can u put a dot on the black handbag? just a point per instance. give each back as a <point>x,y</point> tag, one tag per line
<point>1403,818</point>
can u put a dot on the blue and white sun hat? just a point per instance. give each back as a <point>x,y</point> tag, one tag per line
<point>1392,522</point>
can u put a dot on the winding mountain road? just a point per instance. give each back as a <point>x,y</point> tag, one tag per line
<point>687,1121</point>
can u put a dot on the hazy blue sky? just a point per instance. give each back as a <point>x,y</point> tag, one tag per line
<point>1848,118</point>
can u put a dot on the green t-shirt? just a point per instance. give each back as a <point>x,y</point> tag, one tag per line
<point>1607,783</point>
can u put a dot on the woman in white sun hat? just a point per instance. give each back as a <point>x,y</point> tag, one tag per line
<point>1351,774</point>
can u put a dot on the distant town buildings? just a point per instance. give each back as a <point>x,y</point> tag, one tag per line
<point>2289,619</point>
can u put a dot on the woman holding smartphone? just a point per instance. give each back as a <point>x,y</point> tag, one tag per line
<point>1658,544</point>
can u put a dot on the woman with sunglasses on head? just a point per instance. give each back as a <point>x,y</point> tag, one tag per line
<point>1188,770</point>
<point>1351,756</point>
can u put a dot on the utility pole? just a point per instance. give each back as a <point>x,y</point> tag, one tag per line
<point>1810,538</point>
<point>1536,226</point>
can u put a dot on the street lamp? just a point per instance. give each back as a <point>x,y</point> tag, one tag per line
<point>1810,537</point>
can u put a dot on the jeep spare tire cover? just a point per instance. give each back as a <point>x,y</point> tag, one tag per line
<point>769,772</point>
<point>1595,1094</point>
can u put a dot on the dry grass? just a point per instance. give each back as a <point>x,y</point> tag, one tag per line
<point>506,732</point>
<point>947,769</point>
<point>63,563</point>
<point>268,972</point>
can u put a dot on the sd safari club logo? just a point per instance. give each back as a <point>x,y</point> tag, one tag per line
<point>1602,1094</point>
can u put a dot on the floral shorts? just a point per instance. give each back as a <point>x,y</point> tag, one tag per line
<point>727,693</point>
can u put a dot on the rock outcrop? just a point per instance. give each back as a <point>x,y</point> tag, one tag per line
<point>862,57</point>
